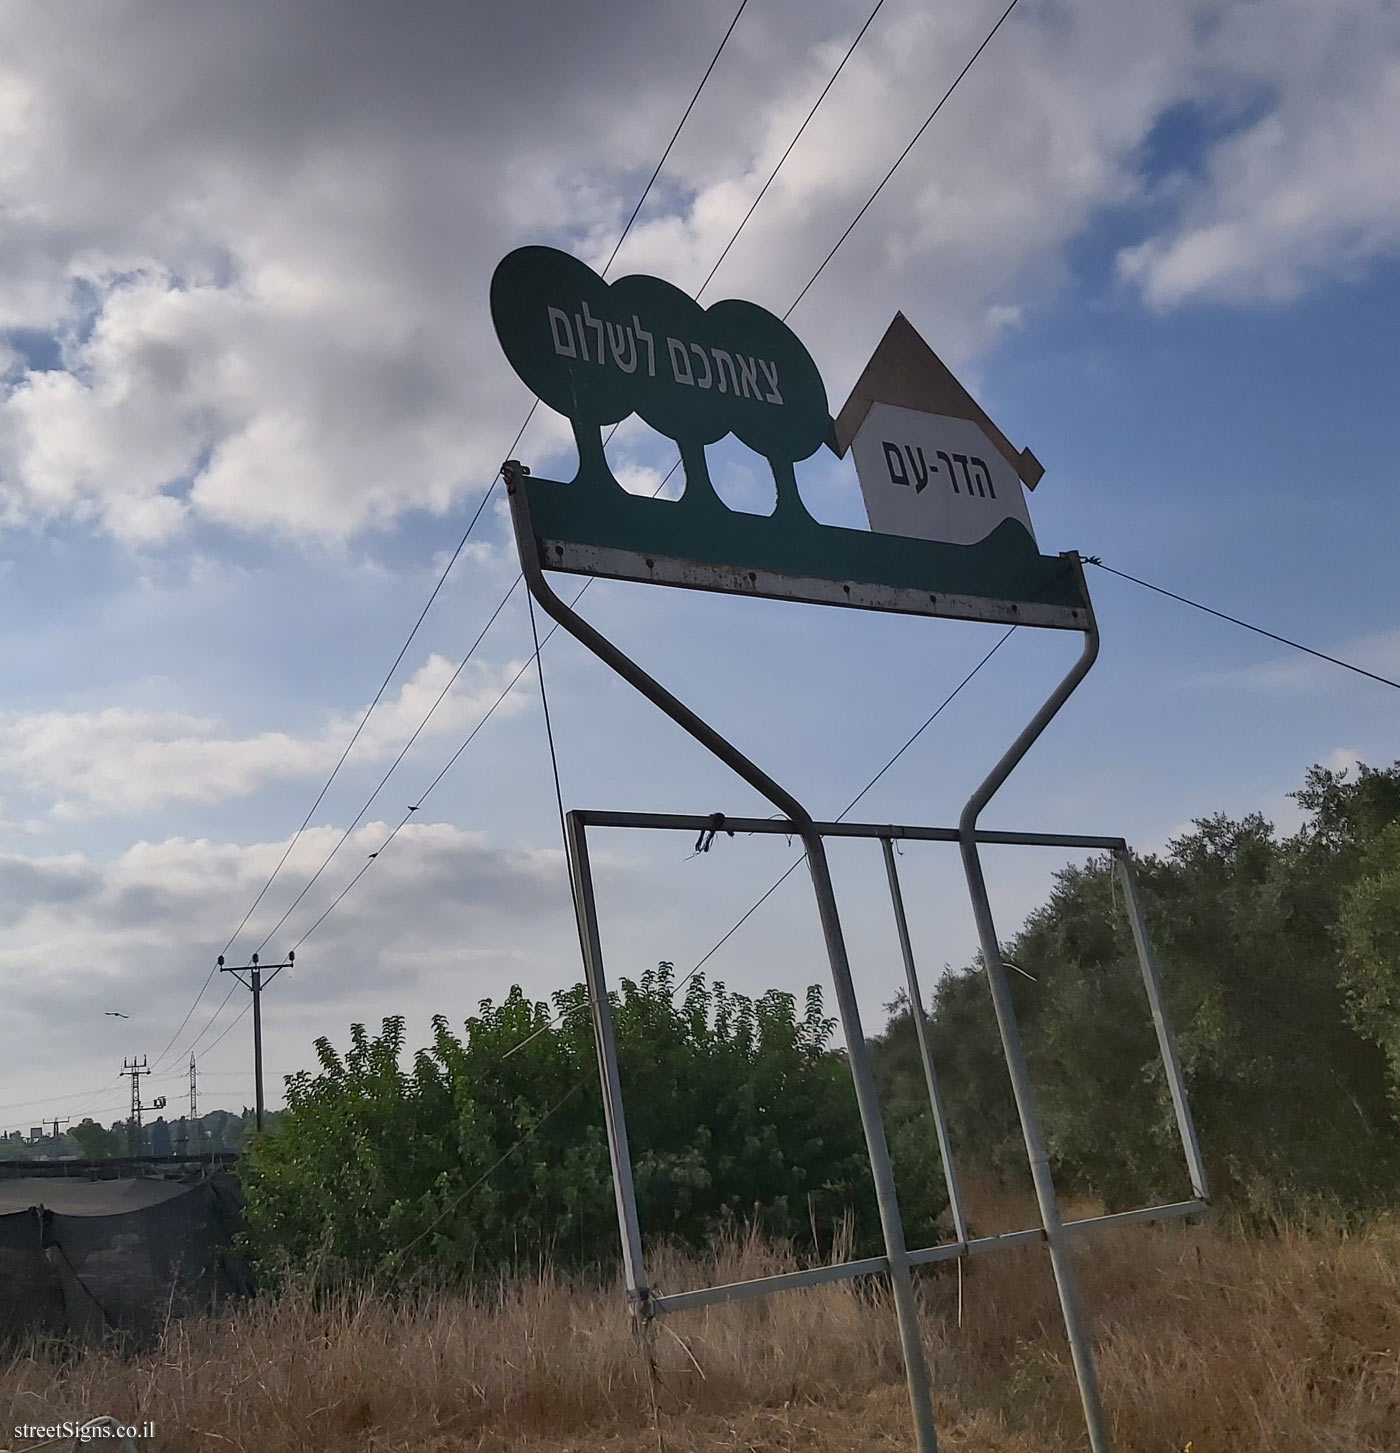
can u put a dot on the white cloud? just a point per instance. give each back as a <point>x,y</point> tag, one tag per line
<point>136,933</point>
<point>1308,190</point>
<point>1342,759</point>
<point>1296,672</point>
<point>266,254</point>
<point>121,760</point>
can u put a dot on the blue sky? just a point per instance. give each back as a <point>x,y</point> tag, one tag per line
<point>251,398</point>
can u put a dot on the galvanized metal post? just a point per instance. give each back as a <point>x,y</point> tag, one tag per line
<point>1176,1082</point>
<point>901,1280</point>
<point>1056,1240</point>
<point>920,1019</point>
<point>614,1115</point>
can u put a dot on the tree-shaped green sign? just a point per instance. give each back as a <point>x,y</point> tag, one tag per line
<point>599,352</point>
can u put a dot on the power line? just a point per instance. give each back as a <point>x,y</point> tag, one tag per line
<point>393,766</point>
<point>535,634</point>
<point>190,1048</point>
<point>354,737</point>
<point>461,544</point>
<point>849,807</point>
<point>48,1099</point>
<point>1236,621</point>
<point>422,797</point>
<point>383,781</point>
<point>236,1018</point>
<point>900,158</point>
<point>622,237</point>
<point>451,761</point>
<point>685,116</point>
<point>378,695</point>
<point>797,863</point>
<point>797,136</point>
<point>574,1089</point>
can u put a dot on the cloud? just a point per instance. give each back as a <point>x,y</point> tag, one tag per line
<point>120,760</point>
<point>1306,191</point>
<point>446,916</point>
<point>259,238</point>
<point>1297,672</point>
<point>1342,759</point>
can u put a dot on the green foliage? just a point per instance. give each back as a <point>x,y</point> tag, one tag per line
<point>1370,936</point>
<point>487,1150</point>
<point>1280,960</point>
<point>1280,963</point>
<point>94,1141</point>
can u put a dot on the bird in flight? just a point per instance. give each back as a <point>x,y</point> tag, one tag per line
<point>115,1014</point>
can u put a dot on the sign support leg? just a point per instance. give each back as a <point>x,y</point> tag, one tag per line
<point>920,1020</point>
<point>614,1116</point>
<point>1176,1083</point>
<point>1056,1240</point>
<point>901,1279</point>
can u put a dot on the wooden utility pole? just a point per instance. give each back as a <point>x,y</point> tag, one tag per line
<point>256,983</point>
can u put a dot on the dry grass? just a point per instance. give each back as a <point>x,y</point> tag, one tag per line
<point>1208,1339</point>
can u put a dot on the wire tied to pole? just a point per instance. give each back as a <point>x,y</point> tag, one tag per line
<point>706,840</point>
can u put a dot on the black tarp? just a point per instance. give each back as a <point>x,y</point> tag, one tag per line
<point>31,1299</point>
<point>91,1258</point>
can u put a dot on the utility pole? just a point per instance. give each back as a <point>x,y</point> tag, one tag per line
<point>56,1122</point>
<point>135,1069</point>
<point>189,1120</point>
<point>257,984</point>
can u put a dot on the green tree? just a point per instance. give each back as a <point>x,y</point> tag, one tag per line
<point>1278,1040</point>
<point>488,1150</point>
<point>1359,822</point>
<point>94,1141</point>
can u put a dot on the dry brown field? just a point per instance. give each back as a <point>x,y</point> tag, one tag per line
<point>1210,1340</point>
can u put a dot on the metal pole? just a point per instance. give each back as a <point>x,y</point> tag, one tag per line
<point>1056,1241</point>
<point>1176,1082</point>
<point>614,1114</point>
<point>133,1133</point>
<point>257,1041</point>
<point>916,1012</point>
<point>901,1281</point>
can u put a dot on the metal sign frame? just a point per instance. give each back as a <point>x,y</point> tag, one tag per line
<point>536,555</point>
<point>640,1292</point>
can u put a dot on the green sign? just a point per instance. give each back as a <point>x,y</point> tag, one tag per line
<point>599,352</point>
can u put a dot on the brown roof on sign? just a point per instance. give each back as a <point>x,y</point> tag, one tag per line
<point>906,372</point>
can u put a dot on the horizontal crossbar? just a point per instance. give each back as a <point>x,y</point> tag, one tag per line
<point>762,1286</point>
<point>783,827</point>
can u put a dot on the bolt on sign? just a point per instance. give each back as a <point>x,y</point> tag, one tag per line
<point>949,533</point>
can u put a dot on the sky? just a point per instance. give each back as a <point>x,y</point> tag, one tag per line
<point>250,398</point>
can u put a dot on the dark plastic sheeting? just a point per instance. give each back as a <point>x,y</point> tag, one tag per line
<point>133,1254</point>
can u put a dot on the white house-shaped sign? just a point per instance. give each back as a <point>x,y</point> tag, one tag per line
<point>931,464</point>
